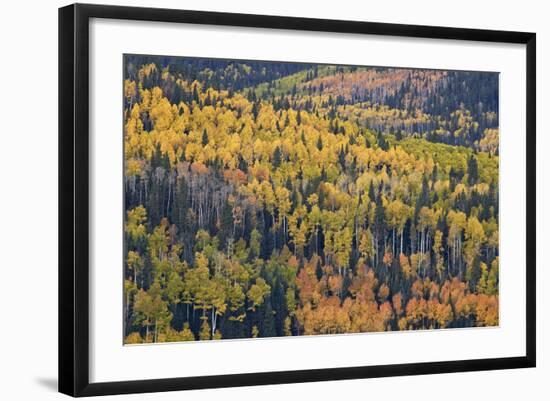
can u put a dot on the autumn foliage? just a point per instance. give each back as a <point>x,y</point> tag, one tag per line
<point>273,199</point>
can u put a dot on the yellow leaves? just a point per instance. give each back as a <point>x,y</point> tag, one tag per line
<point>161,113</point>
<point>491,230</point>
<point>456,222</point>
<point>266,117</point>
<point>328,186</point>
<point>133,260</point>
<point>135,114</point>
<point>236,298</point>
<point>427,218</point>
<point>363,156</point>
<point>204,333</point>
<point>194,152</point>
<point>440,186</point>
<point>366,245</point>
<point>298,227</point>
<point>262,150</point>
<point>156,96</point>
<point>167,126</point>
<point>130,89</point>
<point>283,200</point>
<point>165,74</point>
<point>408,270</point>
<point>383,175</point>
<point>230,150</point>
<point>266,195</point>
<point>201,262</point>
<point>238,102</point>
<point>133,338</point>
<point>474,231</point>
<point>186,334</point>
<point>232,131</point>
<point>255,332</point>
<point>145,96</point>
<point>259,172</point>
<point>481,188</point>
<point>257,293</point>
<point>342,245</point>
<point>146,70</point>
<point>287,328</point>
<point>397,213</point>
<point>290,147</point>
<point>313,199</point>
<point>133,132</point>
<point>226,124</point>
<point>490,140</point>
<point>365,180</point>
<point>133,167</point>
<point>135,222</point>
<point>246,137</point>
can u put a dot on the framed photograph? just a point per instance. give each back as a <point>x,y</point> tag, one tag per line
<point>249,199</point>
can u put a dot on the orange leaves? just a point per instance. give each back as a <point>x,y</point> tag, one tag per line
<point>335,284</point>
<point>386,312</point>
<point>306,281</point>
<point>236,177</point>
<point>433,307</point>
<point>456,290</point>
<point>466,306</point>
<point>487,313</point>
<point>363,284</point>
<point>199,168</point>
<point>388,258</point>
<point>383,293</point>
<point>408,271</point>
<point>417,289</point>
<point>365,316</point>
<point>365,81</point>
<point>397,302</point>
<point>416,311</point>
<point>331,316</point>
<point>439,313</point>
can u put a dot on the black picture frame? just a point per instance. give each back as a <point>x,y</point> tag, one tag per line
<point>74,194</point>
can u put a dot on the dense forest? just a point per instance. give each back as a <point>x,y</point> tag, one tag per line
<point>271,199</point>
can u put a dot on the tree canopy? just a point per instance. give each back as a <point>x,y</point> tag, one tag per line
<point>279,199</point>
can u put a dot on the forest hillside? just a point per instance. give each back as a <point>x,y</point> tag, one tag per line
<point>271,199</point>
